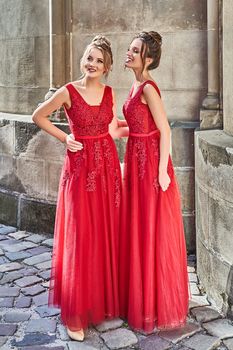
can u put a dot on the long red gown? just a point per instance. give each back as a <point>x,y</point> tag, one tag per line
<point>84,279</point>
<point>153,267</point>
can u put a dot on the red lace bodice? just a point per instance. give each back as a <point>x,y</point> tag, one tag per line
<point>137,113</point>
<point>85,119</point>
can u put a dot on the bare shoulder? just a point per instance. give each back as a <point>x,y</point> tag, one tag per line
<point>149,91</point>
<point>62,93</point>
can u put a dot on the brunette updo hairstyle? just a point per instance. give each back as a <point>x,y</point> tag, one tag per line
<point>151,47</point>
<point>103,44</point>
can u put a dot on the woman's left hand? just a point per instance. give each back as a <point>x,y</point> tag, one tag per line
<point>164,180</point>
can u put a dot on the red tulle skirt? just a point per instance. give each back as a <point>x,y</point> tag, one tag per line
<point>153,262</point>
<point>84,280</point>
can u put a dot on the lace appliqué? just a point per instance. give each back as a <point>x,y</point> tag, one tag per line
<point>142,157</point>
<point>108,155</point>
<point>117,188</point>
<point>98,155</point>
<point>156,184</point>
<point>91,181</point>
<point>80,156</point>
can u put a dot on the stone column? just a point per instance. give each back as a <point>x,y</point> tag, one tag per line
<point>59,49</point>
<point>228,66</point>
<point>60,25</point>
<point>210,114</point>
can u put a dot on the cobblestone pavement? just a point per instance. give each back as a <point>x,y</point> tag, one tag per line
<point>26,323</point>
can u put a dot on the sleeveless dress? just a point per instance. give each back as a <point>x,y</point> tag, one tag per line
<point>84,279</point>
<point>153,266</point>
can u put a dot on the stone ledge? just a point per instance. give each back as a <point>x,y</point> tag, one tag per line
<point>27,213</point>
<point>216,147</point>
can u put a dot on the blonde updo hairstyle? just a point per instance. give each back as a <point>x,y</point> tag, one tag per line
<point>103,44</point>
<point>151,47</point>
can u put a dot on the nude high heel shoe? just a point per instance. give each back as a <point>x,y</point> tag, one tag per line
<point>76,335</point>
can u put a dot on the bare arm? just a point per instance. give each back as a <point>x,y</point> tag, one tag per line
<point>157,109</point>
<point>117,128</point>
<point>41,114</point>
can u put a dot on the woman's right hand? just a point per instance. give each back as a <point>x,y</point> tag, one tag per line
<point>164,180</point>
<point>73,145</point>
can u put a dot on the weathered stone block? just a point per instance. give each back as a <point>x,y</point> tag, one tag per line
<point>185,178</point>
<point>211,119</point>
<point>8,208</point>
<point>9,291</point>
<point>202,214</point>
<point>213,162</point>
<point>102,21</point>
<point>167,15</point>
<point>18,246</point>
<point>44,146</point>
<point>41,51</point>
<point>190,71</point>
<point>38,259</point>
<point>20,100</point>
<point>154,342</point>
<point>16,316</point>
<point>190,232</point>
<point>175,107</point>
<point>229,343</point>
<point>45,311</point>
<point>24,132</point>
<point>34,290</point>
<point>202,342</point>
<point>14,71</point>
<point>214,189</point>
<point>205,314</point>
<point>6,137</point>
<point>41,325</point>
<point>219,328</point>
<point>183,143</point>
<point>23,302</point>
<point>32,175</point>
<point>109,325</point>
<point>220,226</point>
<point>32,210</point>
<point>7,329</point>
<point>35,19</point>
<point>178,334</point>
<point>33,339</point>
<point>213,274</point>
<point>119,338</point>
<point>53,173</point>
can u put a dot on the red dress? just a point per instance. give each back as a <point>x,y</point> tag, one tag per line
<point>153,267</point>
<point>84,280</point>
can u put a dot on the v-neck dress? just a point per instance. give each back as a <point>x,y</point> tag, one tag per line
<point>84,280</point>
<point>153,263</point>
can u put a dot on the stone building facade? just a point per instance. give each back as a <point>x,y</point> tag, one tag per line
<point>41,45</point>
<point>214,163</point>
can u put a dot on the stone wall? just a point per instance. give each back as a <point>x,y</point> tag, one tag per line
<point>24,54</point>
<point>182,75</point>
<point>30,166</point>
<point>214,188</point>
<point>214,215</point>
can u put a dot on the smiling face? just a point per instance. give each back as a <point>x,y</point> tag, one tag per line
<point>133,56</point>
<point>92,64</point>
